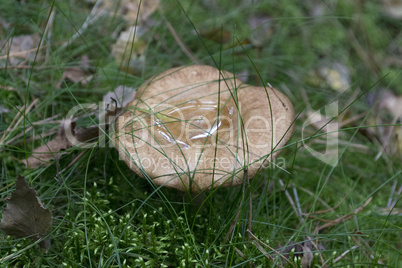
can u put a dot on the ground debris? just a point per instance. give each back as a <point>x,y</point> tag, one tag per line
<point>25,215</point>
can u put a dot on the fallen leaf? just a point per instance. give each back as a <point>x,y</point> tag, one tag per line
<point>25,215</point>
<point>133,11</point>
<point>392,103</point>
<point>316,9</point>
<point>67,136</point>
<point>302,250</point>
<point>18,49</point>
<point>129,49</point>
<point>393,8</point>
<point>85,134</point>
<point>217,35</point>
<point>121,94</point>
<point>394,211</point>
<point>336,75</point>
<point>261,29</point>
<point>6,25</point>
<point>3,110</point>
<point>390,137</point>
<point>51,150</point>
<point>75,75</point>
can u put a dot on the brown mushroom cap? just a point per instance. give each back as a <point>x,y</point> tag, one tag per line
<point>195,128</point>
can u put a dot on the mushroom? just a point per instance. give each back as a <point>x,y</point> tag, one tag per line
<point>195,128</point>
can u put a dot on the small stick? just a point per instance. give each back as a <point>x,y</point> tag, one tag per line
<point>49,31</point>
<point>312,194</point>
<point>19,120</point>
<point>315,244</point>
<point>343,218</point>
<point>8,88</point>
<point>260,248</point>
<point>232,226</point>
<point>179,42</point>
<point>331,208</point>
<point>274,250</point>
<point>250,216</point>
<point>235,220</point>
<point>398,193</point>
<point>292,203</point>
<point>393,188</point>
<point>21,54</point>
<point>300,214</point>
<point>92,18</point>
<point>344,253</point>
<point>75,160</point>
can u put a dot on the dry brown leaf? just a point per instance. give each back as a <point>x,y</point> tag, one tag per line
<point>25,215</point>
<point>3,110</point>
<point>18,49</point>
<point>343,218</point>
<point>217,35</point>
<point>43,155</point>
<point>129,49</point>
<point>390,137</point>
<point>302,250</point>
<point>261,29</point>
<point>50,151</point>
<point>121,94</point>
<point>336,75</point>
<point>393,8</point>
<point>392,103</point>
<point>389,211</point>
<point>75,75</point>
<point>133,11</point>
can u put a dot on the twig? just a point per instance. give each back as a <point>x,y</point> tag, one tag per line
<point>391,196</point>
<point>263,251</point>
<point>21,54</point>
<point>244,256</point>
<point>398,193</point>
<point>274,250</point>
<point>232,226</point>
<point>386,139</point>
<point>92,17</point>
<point>370,63</point>
<point>343,218</point>
<point>300,214</point>
<point>8,88</point>
<point>292,203</point>
<point>250,216</point>
<point>312,194</point>
<point>22,133</point>
<point>22,114</point>
<point>180,43</point>
<point>49,31</point>
<point>315,244</point>
<point>235,220</point>
<point>17,67</point>
<point>74,160</point>
<point>240,253</point>
<point>344,253</point>
<point>329,209</point>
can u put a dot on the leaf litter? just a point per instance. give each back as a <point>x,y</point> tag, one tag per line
<point>18,49</point>
<point>25,215</point>
<point>77,74</point>
<point>129,48</point>
<point>69,135</point>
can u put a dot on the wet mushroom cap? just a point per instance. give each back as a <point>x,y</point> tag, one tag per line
<point>195,128</point>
